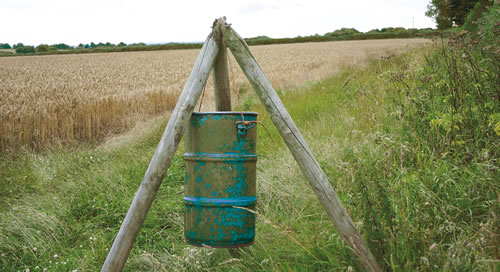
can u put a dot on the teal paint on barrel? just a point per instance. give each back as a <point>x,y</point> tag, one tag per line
<point>220,180</point>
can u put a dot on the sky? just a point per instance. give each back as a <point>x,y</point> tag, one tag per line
<point>34,22</point>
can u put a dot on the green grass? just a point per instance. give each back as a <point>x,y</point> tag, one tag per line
<point>60,209</point>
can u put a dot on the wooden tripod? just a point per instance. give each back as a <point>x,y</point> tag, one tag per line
<point>213,56</point>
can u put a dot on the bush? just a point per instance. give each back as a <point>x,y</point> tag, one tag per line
<point>62,46</point>
<point>5,53</point>
<point>42,48</point>
<point>455,107</point>
<point>25,49</point>
<point>430,201</point>
<point>343,32</point>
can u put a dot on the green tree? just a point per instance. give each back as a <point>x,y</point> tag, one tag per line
<point>62,46</point>
<point>42,48</point>
<point>5,46</point>
<point>343,32</point>
<point>471,22</point>
<point>440,11</point>
<point>451,12</point>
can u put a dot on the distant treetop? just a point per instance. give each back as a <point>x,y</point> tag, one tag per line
<point>342,32</point>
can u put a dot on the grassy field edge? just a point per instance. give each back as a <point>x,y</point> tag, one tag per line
<point>418,210</point>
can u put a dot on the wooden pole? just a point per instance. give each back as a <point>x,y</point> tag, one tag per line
<point>160,162</point>
<point>221,73</point>
<point>301,152</point>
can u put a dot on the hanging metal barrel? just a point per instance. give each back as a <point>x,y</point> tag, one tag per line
<point>220,180</point>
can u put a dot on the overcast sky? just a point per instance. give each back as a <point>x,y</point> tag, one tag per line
<point>33,22</point>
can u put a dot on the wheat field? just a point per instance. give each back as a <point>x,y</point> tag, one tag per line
<point>65,99</point>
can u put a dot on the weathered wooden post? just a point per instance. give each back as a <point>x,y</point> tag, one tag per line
<point>160,162</point>
<point>301,152</point>
<point>221,72</point>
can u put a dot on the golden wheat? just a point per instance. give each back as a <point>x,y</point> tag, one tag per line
<point>71,98</point>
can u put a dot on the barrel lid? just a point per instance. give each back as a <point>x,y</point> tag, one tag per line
<point>226,113</point>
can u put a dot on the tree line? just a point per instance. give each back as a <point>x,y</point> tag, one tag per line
<point>20,48</point>
<point>350,34</point>
<point>339,34</point>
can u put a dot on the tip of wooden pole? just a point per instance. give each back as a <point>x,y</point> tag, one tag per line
<point>221,21</point>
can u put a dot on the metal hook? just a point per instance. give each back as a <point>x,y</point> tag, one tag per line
<point>243,126</point>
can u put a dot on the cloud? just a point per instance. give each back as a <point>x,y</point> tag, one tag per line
<point>257,8</point>
<point>22,5</point>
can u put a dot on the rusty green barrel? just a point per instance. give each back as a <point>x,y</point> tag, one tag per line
<point>220,180</point>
